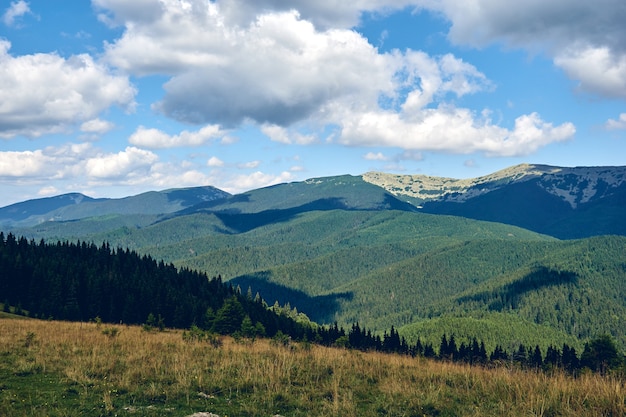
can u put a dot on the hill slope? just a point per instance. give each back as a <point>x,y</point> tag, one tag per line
<point>343,249</point>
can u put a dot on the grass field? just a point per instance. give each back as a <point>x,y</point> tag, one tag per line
<point>86,369</point>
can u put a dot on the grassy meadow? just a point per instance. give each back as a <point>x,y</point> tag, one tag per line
<point>52,368</point>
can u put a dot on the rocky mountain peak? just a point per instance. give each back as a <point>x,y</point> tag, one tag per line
<point>574,185</point>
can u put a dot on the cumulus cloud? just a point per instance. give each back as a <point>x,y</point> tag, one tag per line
<point>278,71</point>
<point>121,164</point>
<point>46,93</point>
<point>586,39</point>
<point>50,162</point>
<point>287,136</point>
<point>452,130</point>
<point>282,69</point>
<point>618,124</point>
<point>96,126</point>
<point>156,139</point>
<point>48,191</point>
<point>258,179</point>
<point>22,164</point>
<point>84,167</point>
<point>214,161</point>
<point>16,9</point>
<point>599,70</point>
<point>375,156</point>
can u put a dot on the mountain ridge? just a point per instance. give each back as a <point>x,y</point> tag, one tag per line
<point>74,206</point>
<point>567,203</point>
<point>424,187</point>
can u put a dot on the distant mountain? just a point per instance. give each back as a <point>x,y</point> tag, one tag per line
<point>78,206</point>
<point>563,202</point>
<point>26,210</point>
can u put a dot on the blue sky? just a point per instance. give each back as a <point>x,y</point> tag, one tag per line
<point>112,98</point>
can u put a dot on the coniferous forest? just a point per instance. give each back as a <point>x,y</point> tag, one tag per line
<point>82,281</point>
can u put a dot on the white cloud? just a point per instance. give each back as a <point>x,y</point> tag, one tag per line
<point>48,163</point>
<point>48,191</point>
<point>618,124</point>
<point>84,168</point>
<point>22,164</point>
<point>16,9</point>
<point>276,133</point>
<point>131,161</point>
<point>229,140</point>
<point>45,93</point>
<point>254,180</point>
<point>287,136</point>
<point>599,69</point>
<point>157,139</point>
<point>278,70</point>
<point>378,156</point>
<point>451,130</point>
<point>271,66</point>
<point>215,162</point>
<point>96,126</point>
<point>586,39</point>
<point>249,165</point>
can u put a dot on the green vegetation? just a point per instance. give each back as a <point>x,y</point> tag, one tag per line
<point>393,268</point>
<point>342,250</point>
<point>82,282</point>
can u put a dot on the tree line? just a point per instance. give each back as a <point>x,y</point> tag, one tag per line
<point>82,281</point>
<point>599,355</point>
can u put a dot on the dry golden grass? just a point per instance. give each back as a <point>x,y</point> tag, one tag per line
<point>67,369</point>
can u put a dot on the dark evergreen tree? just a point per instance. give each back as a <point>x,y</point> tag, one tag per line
<point>553,358</point>
<point>569,359</point>
<point>536,359</point>
<point>601,354</point>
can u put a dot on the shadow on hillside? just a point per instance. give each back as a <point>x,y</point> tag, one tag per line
<point>509,296</point>
<point>320,309</point>
<point>244,222</point>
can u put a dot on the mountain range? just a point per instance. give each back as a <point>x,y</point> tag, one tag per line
<point>533,249</point>
<point>566,203</point>
<point>74,206</point>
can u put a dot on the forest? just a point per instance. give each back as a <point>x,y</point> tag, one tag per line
<point>85,282</point>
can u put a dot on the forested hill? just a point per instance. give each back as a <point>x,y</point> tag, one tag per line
<point>81,281</point>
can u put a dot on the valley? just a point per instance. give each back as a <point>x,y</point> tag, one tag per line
<point>420,254</point>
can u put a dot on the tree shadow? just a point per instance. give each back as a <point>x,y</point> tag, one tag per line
<point>320,309</point>
<point>509,296</point>
<point>244,222</point>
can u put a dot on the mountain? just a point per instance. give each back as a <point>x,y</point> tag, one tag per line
<point>78,206</point>
<point>382,250</point>
<point>23,211</point>
<point>567,203</point>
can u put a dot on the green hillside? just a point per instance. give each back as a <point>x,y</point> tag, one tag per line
<point>340,249</point>
<point>504,329</point>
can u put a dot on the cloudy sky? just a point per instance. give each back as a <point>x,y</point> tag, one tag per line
<point>113,97</point>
